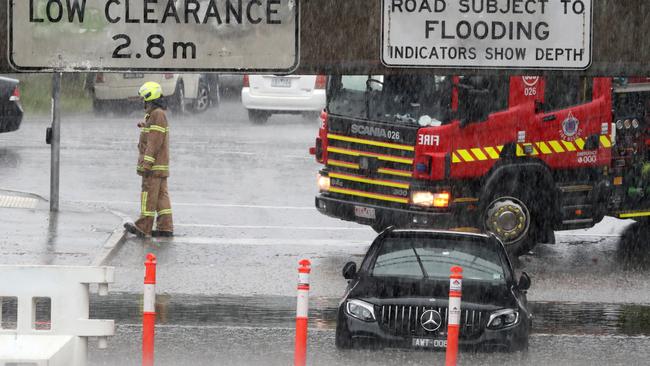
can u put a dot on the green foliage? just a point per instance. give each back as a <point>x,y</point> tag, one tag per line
<point>36,93</point>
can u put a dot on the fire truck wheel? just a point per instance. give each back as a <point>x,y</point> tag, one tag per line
<point>509,218</point>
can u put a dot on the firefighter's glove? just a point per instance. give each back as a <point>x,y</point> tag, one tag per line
<point>147,173</point>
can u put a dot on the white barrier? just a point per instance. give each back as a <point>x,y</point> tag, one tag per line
<point>66,340</point>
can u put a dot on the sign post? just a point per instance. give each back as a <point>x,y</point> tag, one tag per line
<point>54,138</point>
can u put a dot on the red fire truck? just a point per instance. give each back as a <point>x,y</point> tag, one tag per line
<point>517,156</point>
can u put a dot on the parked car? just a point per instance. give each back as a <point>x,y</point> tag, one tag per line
<point>11,111</point>
<point>264,95</point>
<point>194,92</point>
<point>399,296</point>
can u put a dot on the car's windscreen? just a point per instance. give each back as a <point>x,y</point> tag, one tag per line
<point>417,257</point>
<point>407,99</point>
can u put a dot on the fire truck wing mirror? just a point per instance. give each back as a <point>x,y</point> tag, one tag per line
<point>472,105</point>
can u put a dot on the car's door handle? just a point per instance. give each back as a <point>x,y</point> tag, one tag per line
<point>549,118</point>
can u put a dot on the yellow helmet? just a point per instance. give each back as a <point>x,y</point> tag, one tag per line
<point>150,91</point>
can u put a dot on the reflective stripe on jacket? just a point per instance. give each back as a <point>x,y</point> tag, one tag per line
<point>153,146</point>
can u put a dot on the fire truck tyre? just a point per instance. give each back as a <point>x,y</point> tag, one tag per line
<point>202,101</point>
<point>178,99</point>
<point>257,116</point>
<point>509,217</point>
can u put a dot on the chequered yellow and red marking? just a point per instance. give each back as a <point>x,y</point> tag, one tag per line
<point>541,148</point>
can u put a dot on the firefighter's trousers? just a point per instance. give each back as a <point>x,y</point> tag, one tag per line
<point>155,204</point>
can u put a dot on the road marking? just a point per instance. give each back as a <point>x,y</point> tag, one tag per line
<point>220,205</point>
<point>17,202</point>
<point>362,244</point>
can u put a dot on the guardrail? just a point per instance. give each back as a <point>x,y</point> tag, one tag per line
<point>45,316</point>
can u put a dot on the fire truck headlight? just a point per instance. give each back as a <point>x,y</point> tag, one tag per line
<point>323,183</point>
<point>429,199</point>
<point>627,124</point>
<point>635,123</point>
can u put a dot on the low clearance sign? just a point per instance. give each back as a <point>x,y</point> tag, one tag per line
<point>531,34</point>
<point>149,35</point>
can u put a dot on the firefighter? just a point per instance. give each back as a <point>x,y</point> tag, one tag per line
<point>153,166</point>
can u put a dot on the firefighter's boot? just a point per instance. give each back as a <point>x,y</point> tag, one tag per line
<point>133,229</point>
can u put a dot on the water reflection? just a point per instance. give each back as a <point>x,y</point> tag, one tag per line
<point>279,311</point>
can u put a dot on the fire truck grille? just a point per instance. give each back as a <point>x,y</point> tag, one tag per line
<point>371,169</point>
<point>404,321</point>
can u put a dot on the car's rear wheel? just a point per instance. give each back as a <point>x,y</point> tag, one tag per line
<point>257,116</point>
<point>178,99</point>
<point>99,106</point>
<point>202,101</point>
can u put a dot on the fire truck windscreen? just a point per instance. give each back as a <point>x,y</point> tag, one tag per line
<point>424,100</point>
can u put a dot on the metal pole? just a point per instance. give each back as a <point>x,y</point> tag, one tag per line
<point>55,142</point>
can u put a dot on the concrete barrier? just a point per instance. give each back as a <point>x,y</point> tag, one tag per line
<point>62,338</point>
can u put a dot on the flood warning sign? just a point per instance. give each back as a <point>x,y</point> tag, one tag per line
<point>531,34</point>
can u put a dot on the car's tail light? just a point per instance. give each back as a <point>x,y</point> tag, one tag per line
<point>15,96</point>
<point>321,82</point>
<point>99,78</point>
<point>246,82</point>
<point>168,76</point>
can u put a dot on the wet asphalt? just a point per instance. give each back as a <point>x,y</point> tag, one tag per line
<point>242,196</point>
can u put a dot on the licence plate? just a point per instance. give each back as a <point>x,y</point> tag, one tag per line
<point>133,76</point>
<point>429,343</point>
<point>364,212</point>
<point>281,82</point>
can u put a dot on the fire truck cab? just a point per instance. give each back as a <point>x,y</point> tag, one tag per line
<point>517,156</point>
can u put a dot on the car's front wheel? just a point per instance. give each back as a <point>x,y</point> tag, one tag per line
<point>343,338</point>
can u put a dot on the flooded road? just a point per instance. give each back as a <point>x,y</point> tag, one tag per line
<point>228,330</point>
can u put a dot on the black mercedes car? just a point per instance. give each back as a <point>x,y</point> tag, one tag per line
<point>11,112</point>
<point>399,295</point>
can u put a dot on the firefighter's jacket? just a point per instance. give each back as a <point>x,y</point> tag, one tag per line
<point>153,146</point>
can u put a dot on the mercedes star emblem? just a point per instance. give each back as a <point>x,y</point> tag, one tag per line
<point>431,320</point>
